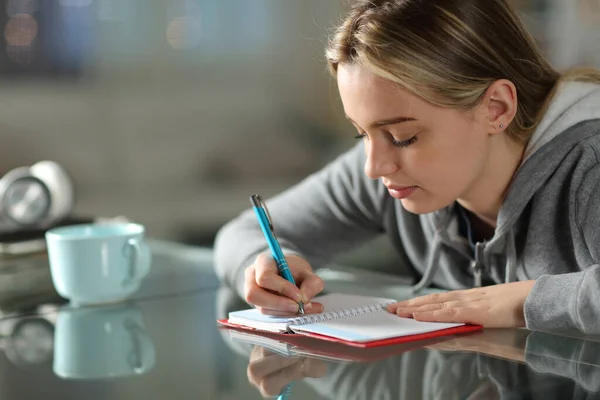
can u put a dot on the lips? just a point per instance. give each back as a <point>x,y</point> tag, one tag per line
<point>396,187</point>
<point>401,192</point>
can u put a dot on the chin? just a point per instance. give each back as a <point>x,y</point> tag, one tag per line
<point>421,207</point>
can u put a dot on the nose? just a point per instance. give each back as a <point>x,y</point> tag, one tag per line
<point>380,160</point>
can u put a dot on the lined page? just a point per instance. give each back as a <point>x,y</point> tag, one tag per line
<point>375,326</point>
<point>342,301</point>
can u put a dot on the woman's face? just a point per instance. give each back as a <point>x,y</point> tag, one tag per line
<point>427,156</point>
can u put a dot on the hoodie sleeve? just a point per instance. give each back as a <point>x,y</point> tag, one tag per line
<point>570,301</point>
<point>330,211</point>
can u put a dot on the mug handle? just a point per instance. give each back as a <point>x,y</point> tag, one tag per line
<point>140,260</point>
<point>141,357</point>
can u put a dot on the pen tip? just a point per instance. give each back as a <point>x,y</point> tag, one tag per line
<point>301,308</point>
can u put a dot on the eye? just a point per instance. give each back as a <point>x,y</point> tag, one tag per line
<point>404,143</point>
<point>395,142</point>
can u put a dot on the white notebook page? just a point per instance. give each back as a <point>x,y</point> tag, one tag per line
<point>375,326</point>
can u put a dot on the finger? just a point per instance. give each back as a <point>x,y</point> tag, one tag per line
<point>267,277</point>
<point>259,352</point>
<point>433,298</point>
<point>261,298</point>
<point>309,308</point>
<point>310,285</point>
<point>436,298</point>
<point>440,347</point>
<point>273,384</point>
<point>314,368</point>
<point>258,370</point>
<point>457,314</point>
<point>415,302</point>
<point>407,312</point>
<point>278,313</point>
<point>313,308</point>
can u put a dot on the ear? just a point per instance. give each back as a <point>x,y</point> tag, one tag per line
<point>500,105</point>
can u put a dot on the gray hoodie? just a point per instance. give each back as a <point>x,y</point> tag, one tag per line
<point>548,227</point>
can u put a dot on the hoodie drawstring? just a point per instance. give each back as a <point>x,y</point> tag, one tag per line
<point>478,264</point>
<point>511,258</point>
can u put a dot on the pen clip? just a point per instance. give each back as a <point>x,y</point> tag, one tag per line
<point>258,202</point>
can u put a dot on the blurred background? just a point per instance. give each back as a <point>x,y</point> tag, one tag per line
<point>173,112</point>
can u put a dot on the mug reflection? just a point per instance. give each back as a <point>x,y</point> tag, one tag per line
<point>102,342</point>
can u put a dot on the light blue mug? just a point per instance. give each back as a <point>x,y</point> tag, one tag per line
<point>97,263</point>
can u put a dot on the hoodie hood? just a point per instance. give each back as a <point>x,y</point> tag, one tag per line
<point>572,104</point>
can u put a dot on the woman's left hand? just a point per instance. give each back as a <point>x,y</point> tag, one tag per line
<point>498,306</point>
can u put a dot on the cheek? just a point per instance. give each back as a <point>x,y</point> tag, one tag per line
<point>451,163</point>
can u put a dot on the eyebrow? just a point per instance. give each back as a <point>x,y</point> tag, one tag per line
<point>385,122</point>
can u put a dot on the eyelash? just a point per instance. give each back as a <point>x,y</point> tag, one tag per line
<point>397,143</point>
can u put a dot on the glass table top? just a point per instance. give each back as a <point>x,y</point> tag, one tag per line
<point>164,343</point>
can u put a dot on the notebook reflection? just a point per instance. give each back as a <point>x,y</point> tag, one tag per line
<point>471,367</point>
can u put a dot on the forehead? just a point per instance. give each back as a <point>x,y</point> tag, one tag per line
<point>369,96</point>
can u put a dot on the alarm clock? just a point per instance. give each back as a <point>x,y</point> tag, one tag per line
<point>35,197</point>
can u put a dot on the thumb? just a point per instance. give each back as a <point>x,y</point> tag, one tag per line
<point>311,285</point>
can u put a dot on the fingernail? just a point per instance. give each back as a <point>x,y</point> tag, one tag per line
<point>308,306</point>
<point>291,306</point>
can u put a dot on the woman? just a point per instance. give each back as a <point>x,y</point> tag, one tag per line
<point>481,164</point>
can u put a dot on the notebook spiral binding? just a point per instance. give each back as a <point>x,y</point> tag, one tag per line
<point>346,313</point>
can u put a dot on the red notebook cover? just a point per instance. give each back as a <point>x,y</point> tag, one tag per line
<point>307,346</point>
<point>376,343</point>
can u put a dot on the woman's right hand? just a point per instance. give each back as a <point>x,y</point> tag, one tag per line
<point>272,294</point>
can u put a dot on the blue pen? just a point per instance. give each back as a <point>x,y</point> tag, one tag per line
<point>287,391</point>
<point>264,218</point>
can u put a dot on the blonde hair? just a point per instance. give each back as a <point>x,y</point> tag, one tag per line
<point>448,52</point>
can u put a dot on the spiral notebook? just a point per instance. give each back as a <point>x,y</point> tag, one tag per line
<point>351,319</point>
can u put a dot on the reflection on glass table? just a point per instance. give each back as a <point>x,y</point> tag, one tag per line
<point>102,342</point>
<point>547,366</point>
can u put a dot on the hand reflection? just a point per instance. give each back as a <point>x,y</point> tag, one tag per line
<point>503,343</point>
<point>270,373</point>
